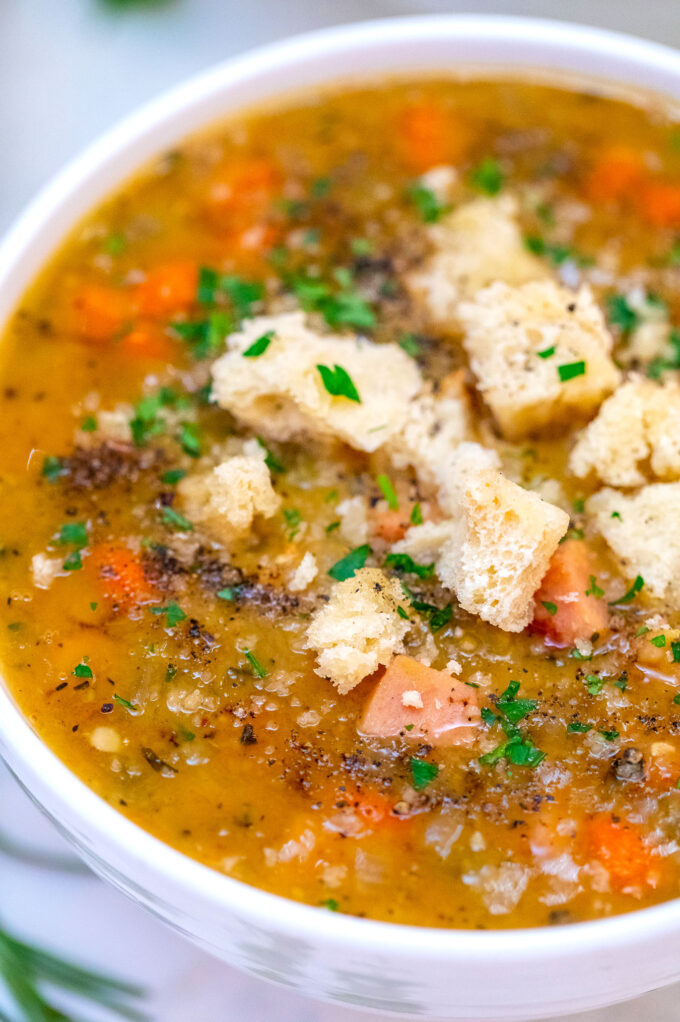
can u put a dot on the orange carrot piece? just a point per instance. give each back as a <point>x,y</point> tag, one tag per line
<point>561,608</point>
<point>242,192</point>
<point>121,574</point>
<point>660,203</point>
<point>99,312</point>
<point>168,288</point>
<point>428,135</point>
<point>390,525</point>
<point>435,707</point>
<point>620,848</point>
<point>147,341</point>
<point>617,174</point>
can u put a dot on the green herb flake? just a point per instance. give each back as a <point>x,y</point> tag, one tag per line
<point>338,382</point>
<point>73,562</point>
<point>622,682</point>
<point>270,459</point>
<point>659,641</point>
<point>549,606</point>
<point>430,208</point>
<point>609,736</point>
<point>115,244</point>
<point>331,904</point>
<point>175,520</point>
<point>89,424</point>
<point>620,314</point>
<point>73,533</point>
<point>189,439</point>
<point>82,670</point>
<point>52,468</point>
<point>440,618</point>
<point>242,294</point>
<point>170,672</point>
<point>258,670</point>
<point>124,702</point>
<point>259,346</point>
<point>576,654</point>
<point>410,344</point>
<point>342,306</point>
<point>416,515</point>
<point>208,281</point>
<point>570,370</point>
<point>403,613</point>
<point>321,186</point>
<point>642,630</point>
<point>556,254</point>
<point>594,589</point>
<point>594,683</point>
<point>331,527</point>
<point>627,597</point>
<point>422,772</point>
<point>488,177</point>
<point>350,563</point>
<point>173,476</point>
<point>292,517</point>
<point>579,506</point>
<point>405,563</point>
<point>675,650</point>
<point>361,247</point>
<point>546,352</point>
<point>512,708</point>
<point>93,605</point>
<point>388,491</point>
<point>228,593</point>
<point>173,613</point>
<point>576,728</point>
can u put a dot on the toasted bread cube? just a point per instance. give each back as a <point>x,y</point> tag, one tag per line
<point>359,629</point>
<point>635,436</point>
<point>541,354</point>
<point>227,499</point>
<point>281,394</point>
<point>643,530</point>
<point>476,245</point>
<point>496,547</point>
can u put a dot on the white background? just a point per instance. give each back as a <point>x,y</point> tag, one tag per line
<point>69,69</point>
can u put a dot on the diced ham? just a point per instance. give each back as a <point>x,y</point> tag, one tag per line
<point>562,609</point>
<point>449,711</point>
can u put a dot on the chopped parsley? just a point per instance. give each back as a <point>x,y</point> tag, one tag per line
<point>609,736</point>
<point>388,491</point>
<point>270,459</point>
<point>518,748</point>
<point>403,613</point>
<point>658,366</point>
<point>488,177</point>
<point>632,592</point>
<point>675,650</point>
<point>361,247</point>
<point>331,527</point>
<point>173,476</point>
<point>208,282</point>
<point>52,468</point>
<point>576,728</point>
<point>228,593</point>
<point>549,606</point>
<point>422,772</point>
<point>579,505</point>
<point>173,613</point>
<point>175,520</point>
<point>89,424</point>
<point>241,293</point>
<point>410,344</point>
<point>124,702</point>
<point>659,641</point>
<point>556,254</point>
<point>570,370</point>
<point>341,305</point>
<point>82,670</point>
<point>405,563</point>
<point>416,515</point>
<point>73,532</point>
<point>258,670</point>
<point>429,207</point>
<point>676,699</point>
<point>190,439</point>
<point>292,517</point>
<point>259,346</point>
<point>622,682</point>
<point>206,336</point>
<point>338,382</point>
<point>145,422</point>
<point>512,708</point>
<point>595,684</point>
<point>547,352</point>
<point>594,589</point>
<point>350,563</point>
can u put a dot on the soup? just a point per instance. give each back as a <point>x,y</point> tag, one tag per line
<point>341,494</point>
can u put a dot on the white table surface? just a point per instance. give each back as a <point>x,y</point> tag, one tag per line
<point>69,69</point>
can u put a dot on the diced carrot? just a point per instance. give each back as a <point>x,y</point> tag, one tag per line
<point>428,135</point>
<point>390,525</point>
<point>168,289</point>
<point>617,174</point>
<point>620,848</point>
<point>562,610</point>
<point>419,703</point>
<point>148,341</point>
<point>660,203</point>
<point>99,312</point>
<point>242,192</point>
<point>121,574</point>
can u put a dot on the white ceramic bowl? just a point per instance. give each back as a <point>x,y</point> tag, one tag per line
<point>426,973</point>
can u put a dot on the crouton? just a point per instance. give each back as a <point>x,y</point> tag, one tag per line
<point>359,629</point>
<point>495,548</point>
<point>227,499</point>
<point>433,427</point>
<point>635,436</point>
<point>281,392</point>
<point>642,530</point>
<point>541,354</point>
<point>479,243</point>
<point>306,572</point>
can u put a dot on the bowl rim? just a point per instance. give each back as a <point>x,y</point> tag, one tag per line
<point>33,762</point>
